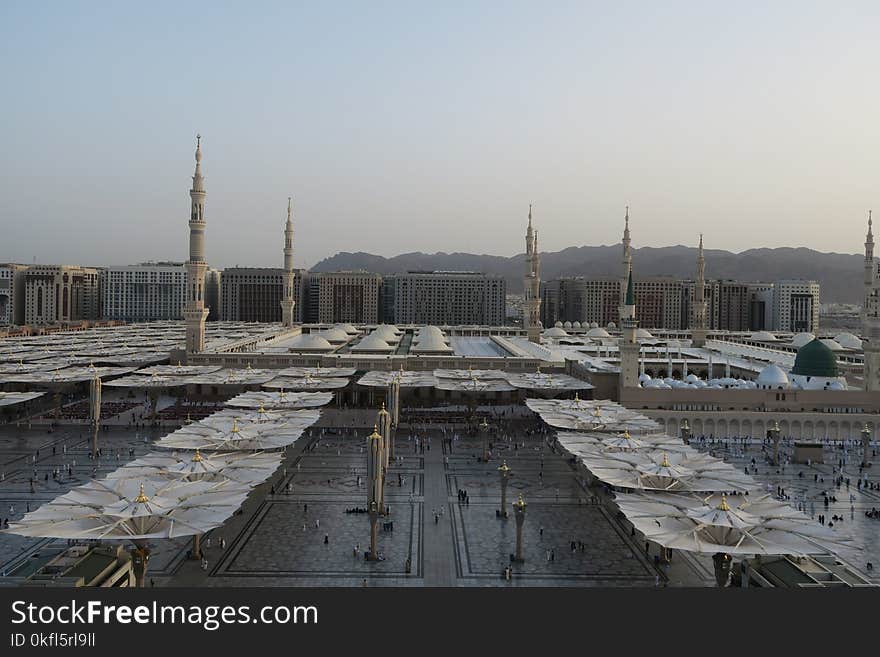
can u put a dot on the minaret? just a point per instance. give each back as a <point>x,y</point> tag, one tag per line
<point>194,312</point>
<point>699,326</point>
<point>629,342</point>
<point>871,315</point>
<point>627,258</point>
<point>287,301</point>
<point>532,284</point>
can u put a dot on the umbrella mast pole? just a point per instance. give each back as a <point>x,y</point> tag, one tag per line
<point>197,546</point>
<point>140,556</point>
<point>722,562</point>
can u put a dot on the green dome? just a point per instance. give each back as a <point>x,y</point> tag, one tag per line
<point>815,359</point>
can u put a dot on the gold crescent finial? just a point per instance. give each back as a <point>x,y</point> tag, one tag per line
<point>665,463</point>
<point>141,498</point>
<point>197,457</point>
<point>723,506</point>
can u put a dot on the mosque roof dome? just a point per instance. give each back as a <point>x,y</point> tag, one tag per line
<point>764,336</point>
<point>773,376</point>
<point>309,342</point>
<point>815,359</point>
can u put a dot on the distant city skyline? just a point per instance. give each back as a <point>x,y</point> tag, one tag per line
<point>399,129</point>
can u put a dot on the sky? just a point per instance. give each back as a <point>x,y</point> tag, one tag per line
<point>416,126</point>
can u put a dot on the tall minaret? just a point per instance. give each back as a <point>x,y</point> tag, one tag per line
<point>700,325</point>
<point>531,310</point>
<point>629,342</point>
<point>194,312</point>
<point>287,302</point>
<point>627,258</point>
<point>871,315</point>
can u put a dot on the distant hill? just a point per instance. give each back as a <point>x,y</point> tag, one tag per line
<point>839,275</point>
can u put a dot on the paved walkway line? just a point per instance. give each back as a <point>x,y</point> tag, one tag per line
<point>439,560</point>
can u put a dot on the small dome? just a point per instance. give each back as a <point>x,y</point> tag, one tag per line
<point>555,332</point>
<point>598,333</point>
<point>802,339</point>
<point>848,340</point>
<point>335,335</point>
<point>833,345</point>
<point>566,325</point>
<point>692,378</point>
<point>773,377</point>
<point>348,328</point>
<point>611,326</point>
<point>644,378</point>
<point>575,325</point>
<point>309,342</point>
<point>558,325</point>
<point>815,359</point>
<point>372,343</point>
<point>763,336</point>
<point>594,324</point>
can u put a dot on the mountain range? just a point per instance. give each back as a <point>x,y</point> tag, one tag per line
<point>839,275</point>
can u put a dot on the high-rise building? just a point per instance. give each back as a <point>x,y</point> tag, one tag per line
<point>212,294</point>
<point>346,296</point>
<point>564,300</point>
<point>760,306</point>
<point>532,285</point>
<point>12,294</point>
<point>796,306</point>
<point>143,293</point>
<point>195,313</point>
<point>450,298</point>
<point>254,294</point>
<point>61,293</point>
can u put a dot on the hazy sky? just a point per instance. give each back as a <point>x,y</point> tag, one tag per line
<point>431,126</point>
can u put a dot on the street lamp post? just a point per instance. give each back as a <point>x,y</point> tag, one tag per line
<point>685,432</point>
<point>504,473</point>
<point>866,445</point>
<point>774,434</point>
<point>484,433</point>
<point>374,487</point>
<point>519,511</point>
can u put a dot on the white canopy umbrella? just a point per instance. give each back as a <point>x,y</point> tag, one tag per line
<point>725,526</point>
<point>245,468</point>
<point>134,510</point>
<point>651,469</point>
<point>226,433</point>
<point>591,415</point>
<point>305,383</point>
<point>280,400</point>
